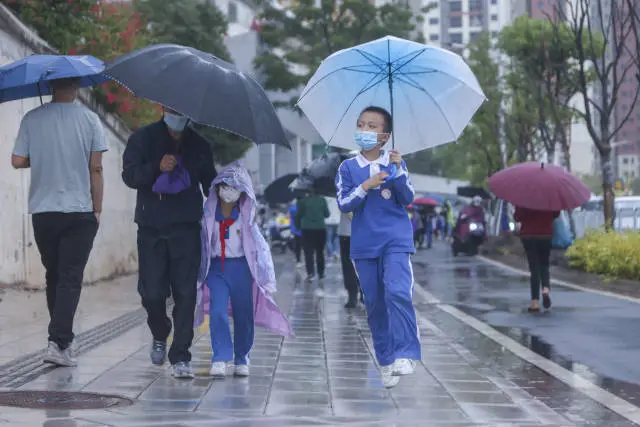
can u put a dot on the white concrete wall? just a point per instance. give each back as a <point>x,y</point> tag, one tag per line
<point>114,250</point>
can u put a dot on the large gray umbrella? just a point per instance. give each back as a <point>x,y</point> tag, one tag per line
<point>319,175</point>
<point>202,87</point>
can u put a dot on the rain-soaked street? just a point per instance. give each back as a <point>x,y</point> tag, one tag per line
<point>486,362</point>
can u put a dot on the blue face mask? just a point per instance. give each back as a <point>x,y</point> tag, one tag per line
<point>174,122</point>
<point>366,140</point>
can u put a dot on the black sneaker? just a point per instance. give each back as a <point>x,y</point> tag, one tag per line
<point>158,352</point>
<point>352,303</point>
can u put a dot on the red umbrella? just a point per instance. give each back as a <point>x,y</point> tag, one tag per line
<point>539,186</point>
<point>425,201</point>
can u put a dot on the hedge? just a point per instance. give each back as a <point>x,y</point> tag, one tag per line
<point>614,255</point>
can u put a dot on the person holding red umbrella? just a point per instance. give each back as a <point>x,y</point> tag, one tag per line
<point>539,192</point>
<point>536,231</point>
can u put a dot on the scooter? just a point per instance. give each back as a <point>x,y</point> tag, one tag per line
<point>282,239</point>
<point>468,241</point>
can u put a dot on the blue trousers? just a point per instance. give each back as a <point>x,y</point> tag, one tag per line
<point>234,283</point>
<point>387,285</point>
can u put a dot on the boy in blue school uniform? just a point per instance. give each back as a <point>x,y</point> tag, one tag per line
<point>382,243</point>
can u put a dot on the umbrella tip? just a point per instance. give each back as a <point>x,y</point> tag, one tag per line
<point>541,165</point>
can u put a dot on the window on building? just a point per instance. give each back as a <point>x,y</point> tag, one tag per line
<point>495,34</point>
<point>434,37</point>
<point>433,21</point>
<point>232,12</point>
<point>494,1</point>
<point>625,161</point>
<point>476,21</point>
<point>494,17</point>
<point>455,38</point>
<point>455,6</point>
<point>474,36</point>
<point>475,5</point>
<point>455,21</point>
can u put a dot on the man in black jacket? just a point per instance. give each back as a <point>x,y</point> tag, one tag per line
<point>168,230</point>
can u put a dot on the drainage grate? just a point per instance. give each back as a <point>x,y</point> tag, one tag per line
<point>60,400</point>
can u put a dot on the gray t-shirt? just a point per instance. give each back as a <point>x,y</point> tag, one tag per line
<point>58,139</point>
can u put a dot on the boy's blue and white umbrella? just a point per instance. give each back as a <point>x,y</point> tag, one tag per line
<point>431,93</point>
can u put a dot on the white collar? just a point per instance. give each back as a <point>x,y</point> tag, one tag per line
<point>383,160</point>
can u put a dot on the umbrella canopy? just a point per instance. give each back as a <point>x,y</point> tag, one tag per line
<point>471,192</point>
<point>539,186</point>
<point>28,77</point>
<point>425,201</point>
<point>279,192</point>
<point>203,88</point>
<point>319,175</point>
<point>431,93</point>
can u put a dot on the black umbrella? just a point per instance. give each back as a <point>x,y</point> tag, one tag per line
<point>471,192</point>
<point>279,192</point>
<point>202,87</point>
<point>320,174</point>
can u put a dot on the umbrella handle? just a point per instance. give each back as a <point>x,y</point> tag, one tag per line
<point>393,171</point>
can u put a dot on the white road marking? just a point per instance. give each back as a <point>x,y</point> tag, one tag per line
<point>559,282</point>
<point>575,381</point>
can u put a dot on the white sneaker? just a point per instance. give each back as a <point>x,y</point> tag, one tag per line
<point>59,357</point>
<point>388,379</point>
<point>242,371</point>
<point>404,367</point>
<point>319,292</point>
<point>218,370</point>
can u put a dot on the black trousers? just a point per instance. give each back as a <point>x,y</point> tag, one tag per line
<point>297,247</point>
<point>351,283</point>
<point>169,261</point>
<point>538,251</point>
<point>65,241</point>
<point>313,242</point>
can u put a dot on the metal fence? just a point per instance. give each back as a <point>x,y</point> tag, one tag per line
<point>625,219</point>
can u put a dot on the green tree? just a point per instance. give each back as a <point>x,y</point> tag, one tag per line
<point>545,55</point>
<point>299,37</point>
<point>63,24</point>
<point>199,24</point>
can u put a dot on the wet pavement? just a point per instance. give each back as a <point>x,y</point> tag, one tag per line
<point>326,375</point>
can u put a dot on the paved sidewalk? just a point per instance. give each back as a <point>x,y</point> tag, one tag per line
<point>26,311</point>
<point>326,375</point>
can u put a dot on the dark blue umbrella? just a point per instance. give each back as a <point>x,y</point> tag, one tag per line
<point>278,192</point>
<point>203,88</point>
<point>27,77</point>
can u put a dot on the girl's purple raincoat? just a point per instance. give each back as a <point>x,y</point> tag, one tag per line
<point>266,312</point>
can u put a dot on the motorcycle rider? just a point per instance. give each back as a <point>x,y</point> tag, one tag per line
<point>469,214</point>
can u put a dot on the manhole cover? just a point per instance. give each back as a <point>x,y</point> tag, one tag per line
<point>60,400</point>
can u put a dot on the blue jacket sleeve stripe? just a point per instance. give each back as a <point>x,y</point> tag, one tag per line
<point>349,196</point>
<point>402,183</point>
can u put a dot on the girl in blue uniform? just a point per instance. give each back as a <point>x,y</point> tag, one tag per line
<point>382,243</point>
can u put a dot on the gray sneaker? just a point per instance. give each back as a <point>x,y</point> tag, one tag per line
<point>182,370</point>
<point>158,352</point>
<point>59,357</point>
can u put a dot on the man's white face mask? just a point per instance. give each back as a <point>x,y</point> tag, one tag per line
<point>229,194</point>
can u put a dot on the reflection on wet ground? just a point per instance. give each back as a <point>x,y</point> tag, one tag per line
<point>589,334</point>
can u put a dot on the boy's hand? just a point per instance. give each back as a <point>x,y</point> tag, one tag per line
<point>395,157</point>
<point>375,181</point>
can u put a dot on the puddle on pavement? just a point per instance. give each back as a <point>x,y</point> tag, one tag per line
<point>494,296</point>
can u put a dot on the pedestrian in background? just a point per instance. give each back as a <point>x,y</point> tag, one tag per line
<point>332,222</point>
<point>311,215</point>
<point>297,233</point>
<point>62,143</point>
<point>170,166</point>
<point>351,283</point>
<point>536,233</point>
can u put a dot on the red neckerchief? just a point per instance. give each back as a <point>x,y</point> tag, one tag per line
<point>224,225</point>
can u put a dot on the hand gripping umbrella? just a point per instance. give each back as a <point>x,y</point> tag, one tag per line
<point>203,88</point>
<point>431,93</point>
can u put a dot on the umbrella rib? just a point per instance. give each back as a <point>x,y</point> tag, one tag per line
<point>350,68</point>
<point>398,68</point>
<point>368,57</point>
<point>402,58</point>
<point>367,87</point>
<point>435,103</point>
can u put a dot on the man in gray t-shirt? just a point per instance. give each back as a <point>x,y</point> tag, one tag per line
<point>62,143</point>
